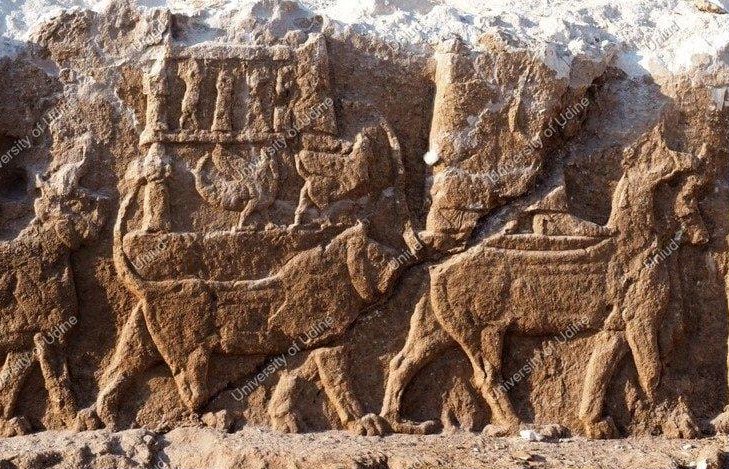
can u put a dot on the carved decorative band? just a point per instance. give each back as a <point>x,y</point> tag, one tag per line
<point>209,136</point>
<point>245,53</point>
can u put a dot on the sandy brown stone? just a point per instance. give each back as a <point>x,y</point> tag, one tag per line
<point>298,229</point>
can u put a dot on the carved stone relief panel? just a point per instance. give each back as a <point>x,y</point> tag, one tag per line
<point>302,229</point>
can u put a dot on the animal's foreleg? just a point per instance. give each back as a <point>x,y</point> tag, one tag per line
<point>14,373</point>
<point>492,341</point>
<point>196,376</point>
<point>334,375</point>
<point>16,369</point>
<point>643,313</point>
<point>643,341</point>
<point>54,368</point>
<point>333,371</point>
<point>281,407</point>
<point>721,422</point>
<point>608,348</point>
<point>484,353</point>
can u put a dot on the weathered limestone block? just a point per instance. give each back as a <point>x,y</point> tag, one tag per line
<point>273,220</point>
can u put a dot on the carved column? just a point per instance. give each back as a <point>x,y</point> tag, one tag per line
<point>192,75</point>
<point>258,117</point>
<point>284,96</point>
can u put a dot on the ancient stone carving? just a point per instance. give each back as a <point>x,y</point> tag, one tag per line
<point>256,305</point>
<point>289,200</point>
<point>506,284</point>
<point>338,182</point>
<point>38,303</point>
<point>254,190</point>
<point>488,142</point>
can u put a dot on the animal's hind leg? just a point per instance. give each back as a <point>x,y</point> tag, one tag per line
<point>54,368</point>
<point>134,354</point>
<point>17,368</point>
<point>486,362</point>
<point>426,339</point>
<point>609,347</point>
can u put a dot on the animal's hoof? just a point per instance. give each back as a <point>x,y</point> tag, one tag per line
<point>105,412</point>
<point>547,432</point>
<point>603,430</point>
<point>721,422</point>
<point>370,425</point>
<point>16,426</point>
<point>88,419</point>
<point>221,420</point>
<point>686,429</point>
<point>681,424</point>
<point>413,428</point>
<point>553,431</point>
<point>287,423</point>
<point>498,430</point>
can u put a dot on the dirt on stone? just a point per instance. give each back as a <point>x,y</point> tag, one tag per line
<point>292,226</point>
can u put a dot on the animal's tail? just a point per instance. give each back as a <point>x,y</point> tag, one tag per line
<point>124,266</point>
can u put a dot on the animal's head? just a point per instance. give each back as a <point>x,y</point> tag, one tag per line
<point>75,214</point>
<point>370,264</point>
<point>664,164</point>
<point>652,162</point>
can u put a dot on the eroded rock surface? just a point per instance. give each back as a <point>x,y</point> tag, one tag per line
<point>288,223</point>
<point>193,448</point>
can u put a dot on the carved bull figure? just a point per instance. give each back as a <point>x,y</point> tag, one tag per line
<point>330,276</point>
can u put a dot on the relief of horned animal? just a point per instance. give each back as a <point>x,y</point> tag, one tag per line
<point>250,294</point>
<point>36,326</point>
<point>251,187</point>
<point>541,283</point>
<point>248,318</point>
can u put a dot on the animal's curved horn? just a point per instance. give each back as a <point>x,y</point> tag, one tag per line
<point>204,186</point>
